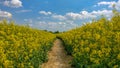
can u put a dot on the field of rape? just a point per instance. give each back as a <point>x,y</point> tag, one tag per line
<point>95,45</point>
<point>22,46</point>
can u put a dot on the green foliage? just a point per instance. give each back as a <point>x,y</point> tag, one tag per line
<point>23,47</point>
<point>95,45</point>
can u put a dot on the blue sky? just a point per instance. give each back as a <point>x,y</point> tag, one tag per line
<point>55,15</point>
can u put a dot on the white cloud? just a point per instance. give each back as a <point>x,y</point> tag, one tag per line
<point>54,26</point>
<point>23,11</point>
<point>107,13</point>
<point>5,14</point>
<point>69,20</point>
<point>60,17</point>
<point>83,15</point>
<point>118,5</point>
<point>88,15</point>
<point>45,13</point>
<point>13,3</point>
<point>28,20</point>
<point>110,4</point>
<point>73,16</point>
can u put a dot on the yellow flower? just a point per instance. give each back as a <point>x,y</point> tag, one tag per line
<point>8,64</point>
<point>87,49</point>
<point>97,36</point>
<point>115,66</point>
<point>100,53</point>
<point>118,57</point>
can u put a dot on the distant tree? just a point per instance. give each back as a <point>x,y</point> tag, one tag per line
<point>56,32</point>
<point>50,31</point>
<point>46,30</point>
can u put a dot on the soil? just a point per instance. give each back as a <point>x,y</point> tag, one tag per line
<point>57,57</point>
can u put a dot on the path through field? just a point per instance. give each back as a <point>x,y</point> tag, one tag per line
<point>57,57</point>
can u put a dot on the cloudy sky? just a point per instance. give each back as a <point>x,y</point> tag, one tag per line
<point>55,15</point>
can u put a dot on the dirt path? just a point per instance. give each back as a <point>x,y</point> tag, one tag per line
<point>57,57</point>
